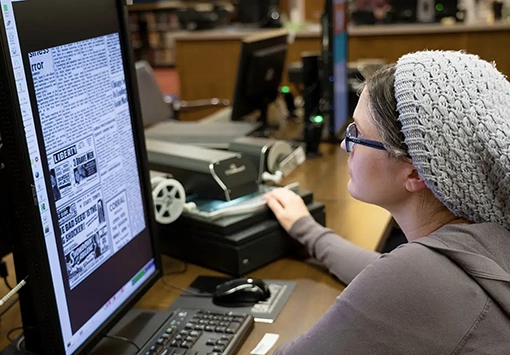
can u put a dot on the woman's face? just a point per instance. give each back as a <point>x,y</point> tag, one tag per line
<point>375,177</point>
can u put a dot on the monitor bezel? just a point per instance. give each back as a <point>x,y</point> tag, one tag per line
<point>37,301</point>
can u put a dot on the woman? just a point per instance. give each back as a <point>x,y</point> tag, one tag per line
<point>431,144</point>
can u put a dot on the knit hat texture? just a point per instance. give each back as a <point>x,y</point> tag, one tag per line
<point>455,113</point>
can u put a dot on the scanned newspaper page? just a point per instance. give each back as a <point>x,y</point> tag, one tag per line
<point>99,208</point>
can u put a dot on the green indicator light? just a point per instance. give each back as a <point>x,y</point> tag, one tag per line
<point>439,7</point>
<point>318,119</point>
<point>285,89</point>
<point>138,277</point>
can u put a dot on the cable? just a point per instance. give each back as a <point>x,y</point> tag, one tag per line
<point>7,283</point>
<point>117,337</point>
<point>182,271</point>
<point>4,273</point>
<point>9,333</point>
<point>187,292</point>
<point>13,291</point>
<point>8,307</point>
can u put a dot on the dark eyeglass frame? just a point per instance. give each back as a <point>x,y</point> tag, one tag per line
<point>350,140</point>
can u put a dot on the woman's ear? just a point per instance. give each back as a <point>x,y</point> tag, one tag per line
<point>414,182</point>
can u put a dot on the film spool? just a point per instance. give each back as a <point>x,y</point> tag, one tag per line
<point>169,199</point>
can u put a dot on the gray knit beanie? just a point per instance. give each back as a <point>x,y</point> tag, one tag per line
<point>455,115</point>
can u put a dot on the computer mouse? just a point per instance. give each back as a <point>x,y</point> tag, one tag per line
<point>241,292</point>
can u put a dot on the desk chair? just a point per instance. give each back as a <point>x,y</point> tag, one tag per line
<point>391,238</point>
<point>157,107</point>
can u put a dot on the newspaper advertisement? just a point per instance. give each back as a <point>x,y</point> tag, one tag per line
<point>118,216</point>
<point>84,235</point>
<point>73,169</point>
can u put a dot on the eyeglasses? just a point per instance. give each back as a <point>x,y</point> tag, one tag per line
<point>351,138</point>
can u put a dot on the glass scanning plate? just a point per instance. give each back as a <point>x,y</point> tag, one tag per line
<point>214,209</point>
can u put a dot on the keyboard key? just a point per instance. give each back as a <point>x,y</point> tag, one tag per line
<point>194,333</point>
<point>211,341</point>
<point>186,344</point>
<point>218,348</point>
<point>222,342</point>
<point>232,328</point>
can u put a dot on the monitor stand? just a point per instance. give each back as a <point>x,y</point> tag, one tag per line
<point>138,325</point>
<point>265,128</point>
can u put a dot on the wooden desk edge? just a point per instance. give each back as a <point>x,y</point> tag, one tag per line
<point>353,30</point>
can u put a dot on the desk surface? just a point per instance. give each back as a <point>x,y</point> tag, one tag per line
<point>363,224</point>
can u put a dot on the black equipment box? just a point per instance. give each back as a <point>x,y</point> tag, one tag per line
<point>235,245</point>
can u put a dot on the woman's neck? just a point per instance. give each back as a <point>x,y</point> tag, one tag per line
<point>419,220</point>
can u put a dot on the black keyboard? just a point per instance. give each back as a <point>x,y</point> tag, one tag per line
<point>200,332</point>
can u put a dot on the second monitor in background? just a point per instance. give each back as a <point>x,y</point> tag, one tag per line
<point>259,13</point>
<point>259,76</point>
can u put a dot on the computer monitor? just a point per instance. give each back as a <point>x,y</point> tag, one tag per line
<point>259,13</point>
<point>76,161</point>
<point>259,74</point>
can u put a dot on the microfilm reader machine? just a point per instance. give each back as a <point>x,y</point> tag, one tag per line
<point>209,203</point>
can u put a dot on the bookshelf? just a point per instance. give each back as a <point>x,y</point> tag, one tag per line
<point>153,26</point>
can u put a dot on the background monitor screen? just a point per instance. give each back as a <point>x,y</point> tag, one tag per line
<point>341,90</point>
<point>80,143</point>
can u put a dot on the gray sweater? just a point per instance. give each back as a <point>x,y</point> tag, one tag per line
<point>448,293</point>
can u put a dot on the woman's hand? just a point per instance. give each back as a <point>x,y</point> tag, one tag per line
<point>287,206</point>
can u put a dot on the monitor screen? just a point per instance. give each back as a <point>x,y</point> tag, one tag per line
<point>341,90</point>
<point>75,131</point>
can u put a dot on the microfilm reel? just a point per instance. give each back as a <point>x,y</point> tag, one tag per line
<point>169,199</point>
<point>155,180</point>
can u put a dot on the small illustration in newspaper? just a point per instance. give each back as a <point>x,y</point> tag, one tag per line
<point>84,167</point>
<point>84,235</point>
<point>72,170</point>
<point>100,211</point>
<point>54,185</point>
<point>86,257</point>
